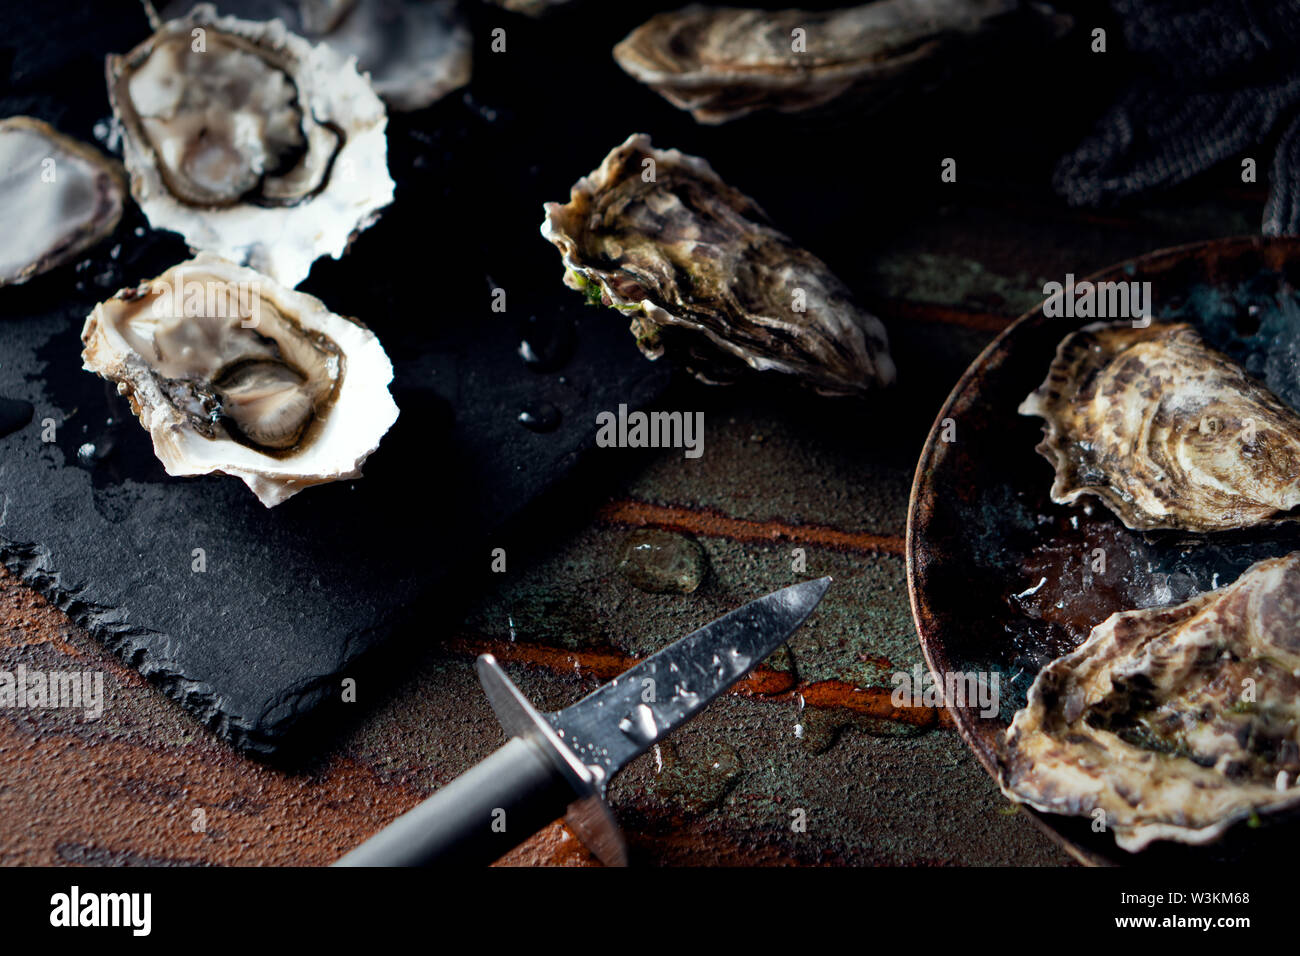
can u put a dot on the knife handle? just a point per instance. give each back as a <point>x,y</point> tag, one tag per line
<point>476,818</point>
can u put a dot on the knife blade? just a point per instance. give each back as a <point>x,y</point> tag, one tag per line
<point>564,761</point>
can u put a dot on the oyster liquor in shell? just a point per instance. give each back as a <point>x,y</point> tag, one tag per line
<point>250,142</point>
<point>231,372</point>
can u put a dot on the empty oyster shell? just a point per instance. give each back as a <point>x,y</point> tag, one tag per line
<point>1176,722</point>
<point>250,142</point>
<point>1167,432</point>
<point>414,53</point>
<point>701,273</point>
<point>230,372</point>
<point>59,198</point>
<point>722,63</point>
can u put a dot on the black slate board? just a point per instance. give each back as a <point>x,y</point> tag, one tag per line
<point>292,597</point>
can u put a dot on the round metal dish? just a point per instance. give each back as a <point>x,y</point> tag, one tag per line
<point>982,533</point>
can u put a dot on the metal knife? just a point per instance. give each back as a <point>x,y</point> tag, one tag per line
<point>562,762</point>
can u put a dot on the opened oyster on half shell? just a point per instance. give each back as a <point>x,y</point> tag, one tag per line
<point>701,274</point>
<point>250,142</point>
<point>1166,431</point>
<point>722,63</point>
<point>232,373</point>
<point>59,197</point>
<point>415,53</point>
<point>1173,722</point>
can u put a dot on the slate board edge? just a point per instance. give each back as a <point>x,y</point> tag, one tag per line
<point>137,647</point>
<point>31,563</point>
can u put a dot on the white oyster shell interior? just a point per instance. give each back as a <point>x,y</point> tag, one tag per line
<point>59,197</point>
<point>230,372</point>
<point>250,142</point>
<point>414,53</point>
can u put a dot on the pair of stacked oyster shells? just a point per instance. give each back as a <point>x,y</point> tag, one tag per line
<point>265,152</point>
<point>1169,723</point>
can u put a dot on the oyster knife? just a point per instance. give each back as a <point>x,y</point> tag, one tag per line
<point>565,760</point>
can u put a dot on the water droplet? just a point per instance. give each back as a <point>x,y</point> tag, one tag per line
<point>661,562</point>
<point>91,453</point>
<point>539,417</point>
<point>546,343</point>
<point>14,414</point>
<point>640,725</point>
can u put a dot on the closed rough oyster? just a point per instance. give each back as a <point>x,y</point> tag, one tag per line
<point>701,274</point>
<point>231,372</point>
<point>724,62</point>
<point>59,197</point>
<point>1167,432</point>
<point>250,142</point>
<point>1177,722</point>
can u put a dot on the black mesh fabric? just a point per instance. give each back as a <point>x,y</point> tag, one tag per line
<point>1213,80</point>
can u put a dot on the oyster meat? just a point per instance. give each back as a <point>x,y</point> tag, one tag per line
<point>250,142</point>
<point>232,373</point>
<point>415,53</point>
<point>59,198</point>
<point>1176,722</point>
<point>722,63</point>
<point>1167,432</point>
<point>700,272</point>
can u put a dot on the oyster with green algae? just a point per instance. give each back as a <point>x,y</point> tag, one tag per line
<point>1167,432</point>
<point>1173,722</point>
<point>701,274</point>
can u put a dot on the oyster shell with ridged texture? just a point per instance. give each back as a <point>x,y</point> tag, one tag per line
<point>250,142</point>
<point>701,274</point>
<point>1174,722</point>
<point>1167,432</point>
<point>59,198</point>
<point>232,373</point>
<point>722,63</point>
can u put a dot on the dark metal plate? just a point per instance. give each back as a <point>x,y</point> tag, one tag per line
<point>982,529</point>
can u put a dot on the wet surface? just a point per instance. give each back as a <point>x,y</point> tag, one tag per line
<point>809,760</point>
<point>14,414</point>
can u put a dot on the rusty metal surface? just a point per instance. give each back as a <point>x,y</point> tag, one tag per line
<point>814,729</point>
<point>982,529</point>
